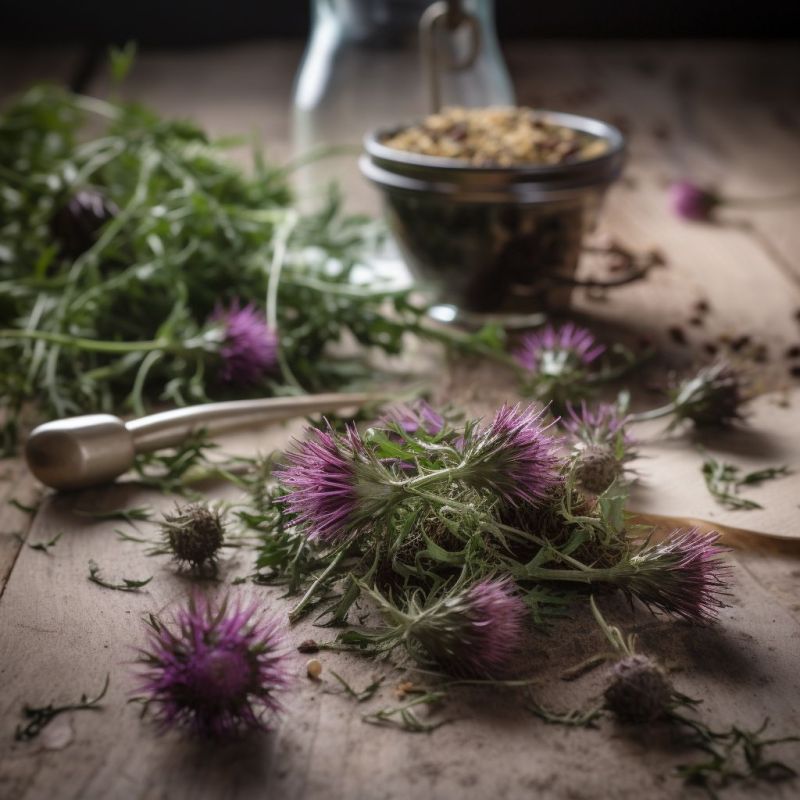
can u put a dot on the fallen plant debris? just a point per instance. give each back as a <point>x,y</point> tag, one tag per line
<point>45,547</point>
<point>724,481</point>
<point>125,585</point>
<point>41,716</point>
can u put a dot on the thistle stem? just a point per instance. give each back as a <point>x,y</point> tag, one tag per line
<point>305,601</point>
<point>100,346</point>
<point>655,413</point>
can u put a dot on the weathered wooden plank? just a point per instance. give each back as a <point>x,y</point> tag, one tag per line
<point>16,484</point>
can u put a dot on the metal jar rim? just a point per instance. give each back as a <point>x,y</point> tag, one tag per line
<point>404,171</point>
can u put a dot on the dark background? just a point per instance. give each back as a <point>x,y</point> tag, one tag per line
<point>181,22</point>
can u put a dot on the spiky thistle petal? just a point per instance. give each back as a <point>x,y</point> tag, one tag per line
<point>418,416</point>
<point>599,424</point>
<point>474,632</point>
<point>216,670</point>
<point>249,346</point>
<point>334,484</point>
<point>515,456</point>
<point>553,351</point>
<point>601,444</point>
<point>684,575</point>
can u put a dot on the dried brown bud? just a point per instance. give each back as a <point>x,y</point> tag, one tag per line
<point>639,691</point>
<point>193,534</point>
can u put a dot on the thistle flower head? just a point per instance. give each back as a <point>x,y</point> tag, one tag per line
<point>249,346</point>
<point>683,575</point>
<point>514,456</point>
<point>193,534</point>
<point>638,691</point>
<point>555,351</point>
<point>601,424</point>
<point>419,416</point>
<point>597,467</point>
<point>215,670</point>
<point>712,398</point>
<point>334,485</point>
<point>601,444</point>
<point>692,202</point>
<point>474,632</point>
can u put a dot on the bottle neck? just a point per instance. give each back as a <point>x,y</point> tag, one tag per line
<point>382,22</point>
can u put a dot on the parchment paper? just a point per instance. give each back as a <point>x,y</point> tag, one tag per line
<point>670,482</point>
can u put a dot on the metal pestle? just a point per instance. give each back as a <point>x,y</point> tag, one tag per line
<point>85,451</point>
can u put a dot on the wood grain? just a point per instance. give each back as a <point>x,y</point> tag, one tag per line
<point>725,108</point>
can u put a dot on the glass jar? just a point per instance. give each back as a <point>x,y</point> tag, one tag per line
<point>363,67</point>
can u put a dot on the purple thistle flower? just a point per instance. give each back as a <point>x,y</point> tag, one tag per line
<point>602,424</point>
<point>334,485</point>
<point>692,202</point>
<point>552,350</point>
<point>419,416</point>
<point>515,456</point>
<point>249,347</point>
<point>683,575</point>
<point>216,670</point>
<point>474,632</point>
<point>601,444</point>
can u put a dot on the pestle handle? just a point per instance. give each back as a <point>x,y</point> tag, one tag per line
<point>85,451</point>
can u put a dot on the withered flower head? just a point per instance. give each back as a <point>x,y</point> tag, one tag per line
<point>193,534</point>
<point>712,398</point>
<point>639,691</point>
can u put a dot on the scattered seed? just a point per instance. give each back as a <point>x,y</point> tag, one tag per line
<point>698,322</point>
<point>761,354</point>
<point>740,342</point>
<point>314,669</point>
<point>308,646</point>
<point>677,335</point>
<point>702,307</point>
<point>711,348</point>
<point>793,351</point>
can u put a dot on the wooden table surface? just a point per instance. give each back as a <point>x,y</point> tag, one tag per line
<point>720,113</point>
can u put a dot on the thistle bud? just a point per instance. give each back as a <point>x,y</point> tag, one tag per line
<point>193,534</point>
<point>597,467</point>
<point>639,691</point>
<point>712,398</point>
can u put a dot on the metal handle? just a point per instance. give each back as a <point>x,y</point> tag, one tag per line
<point>445,16</point>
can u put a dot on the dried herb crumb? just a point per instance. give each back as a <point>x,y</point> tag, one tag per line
<point>702,307</point>
<point>740,342</point>
<point>678,335</point>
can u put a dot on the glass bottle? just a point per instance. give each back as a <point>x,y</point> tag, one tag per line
<point>363,67</point>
